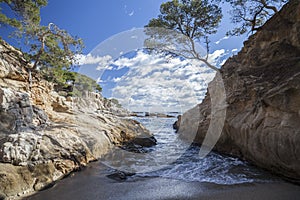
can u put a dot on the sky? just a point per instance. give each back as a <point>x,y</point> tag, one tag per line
<point>95,21</point>
<point>115,58</point>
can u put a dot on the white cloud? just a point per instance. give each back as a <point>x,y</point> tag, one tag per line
<point>117,79</point>
<point>104,63</point>
<point>220,40</point>
<point>94,66</point>
<point>223,62</point>
<point>99,80</point>
<point>154,83</point>
<point>127,11</point>
<point>89,59</point>
<point>214,57</point>
<point>131,13</point>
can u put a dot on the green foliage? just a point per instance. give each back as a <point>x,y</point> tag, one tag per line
<point>83,84</point>
<point>51,49</point>
<point>26,12</point>
<point>199,18</point>
<point>73,83</point>
<point>116,102</point>
<point>249,15</point>
<point>49,46</point>
<point>180,24</point>
<point>192,18</point>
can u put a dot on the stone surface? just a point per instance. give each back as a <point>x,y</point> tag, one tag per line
<point>262,84</point>
<point>177,122</point>
<point>45,136</point>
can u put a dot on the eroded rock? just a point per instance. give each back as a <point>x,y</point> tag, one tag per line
<point>262,84</point>
<point>45,136</point>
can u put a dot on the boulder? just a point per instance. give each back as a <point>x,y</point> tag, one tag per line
<point>177,123</point>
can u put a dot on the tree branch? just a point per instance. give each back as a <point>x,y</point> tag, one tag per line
<point>253,28</point>
<point>197,56</point>
<point>264,3</point>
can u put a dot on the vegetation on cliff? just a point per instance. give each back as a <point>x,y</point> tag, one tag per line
<point>250,15</point>
<point>195,21</point>
<point>49,49</point>
<point>47,46</point>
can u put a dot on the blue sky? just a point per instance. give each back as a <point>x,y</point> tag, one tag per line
<point>100,22</point>
<point>95,20</point>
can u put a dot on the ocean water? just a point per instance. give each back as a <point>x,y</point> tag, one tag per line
<point>173,158</point>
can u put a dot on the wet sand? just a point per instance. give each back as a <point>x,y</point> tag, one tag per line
<point>92,183</point>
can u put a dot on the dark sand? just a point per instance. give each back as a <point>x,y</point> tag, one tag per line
<point>92,183</point>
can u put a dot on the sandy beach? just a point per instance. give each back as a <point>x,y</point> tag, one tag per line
<point>93,183</point>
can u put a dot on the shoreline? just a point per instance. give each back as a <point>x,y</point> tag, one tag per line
<point>93,183</point>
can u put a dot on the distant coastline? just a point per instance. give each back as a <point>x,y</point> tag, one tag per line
<point>155,114</point>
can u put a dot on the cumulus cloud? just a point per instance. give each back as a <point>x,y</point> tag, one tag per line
<point>214,57</point>
<point>93,66</point>
<point>152,82</point>
<point>104,63</point>
<point>219,57</point>
<point>89,59</point>
<point>101,62</point>
<point>159,83</point>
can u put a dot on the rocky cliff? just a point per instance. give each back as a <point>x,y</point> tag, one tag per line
<point>45,136</point>
<point>262,83</point>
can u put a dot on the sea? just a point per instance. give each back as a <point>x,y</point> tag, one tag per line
<point>176,159</point>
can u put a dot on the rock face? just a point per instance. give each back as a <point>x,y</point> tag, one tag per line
<point>44,136</point>
<point>262,84</point>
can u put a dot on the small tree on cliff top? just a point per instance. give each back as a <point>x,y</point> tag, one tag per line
<point>194,20</point>
<point>249,15</point>
<point>49,46</point>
